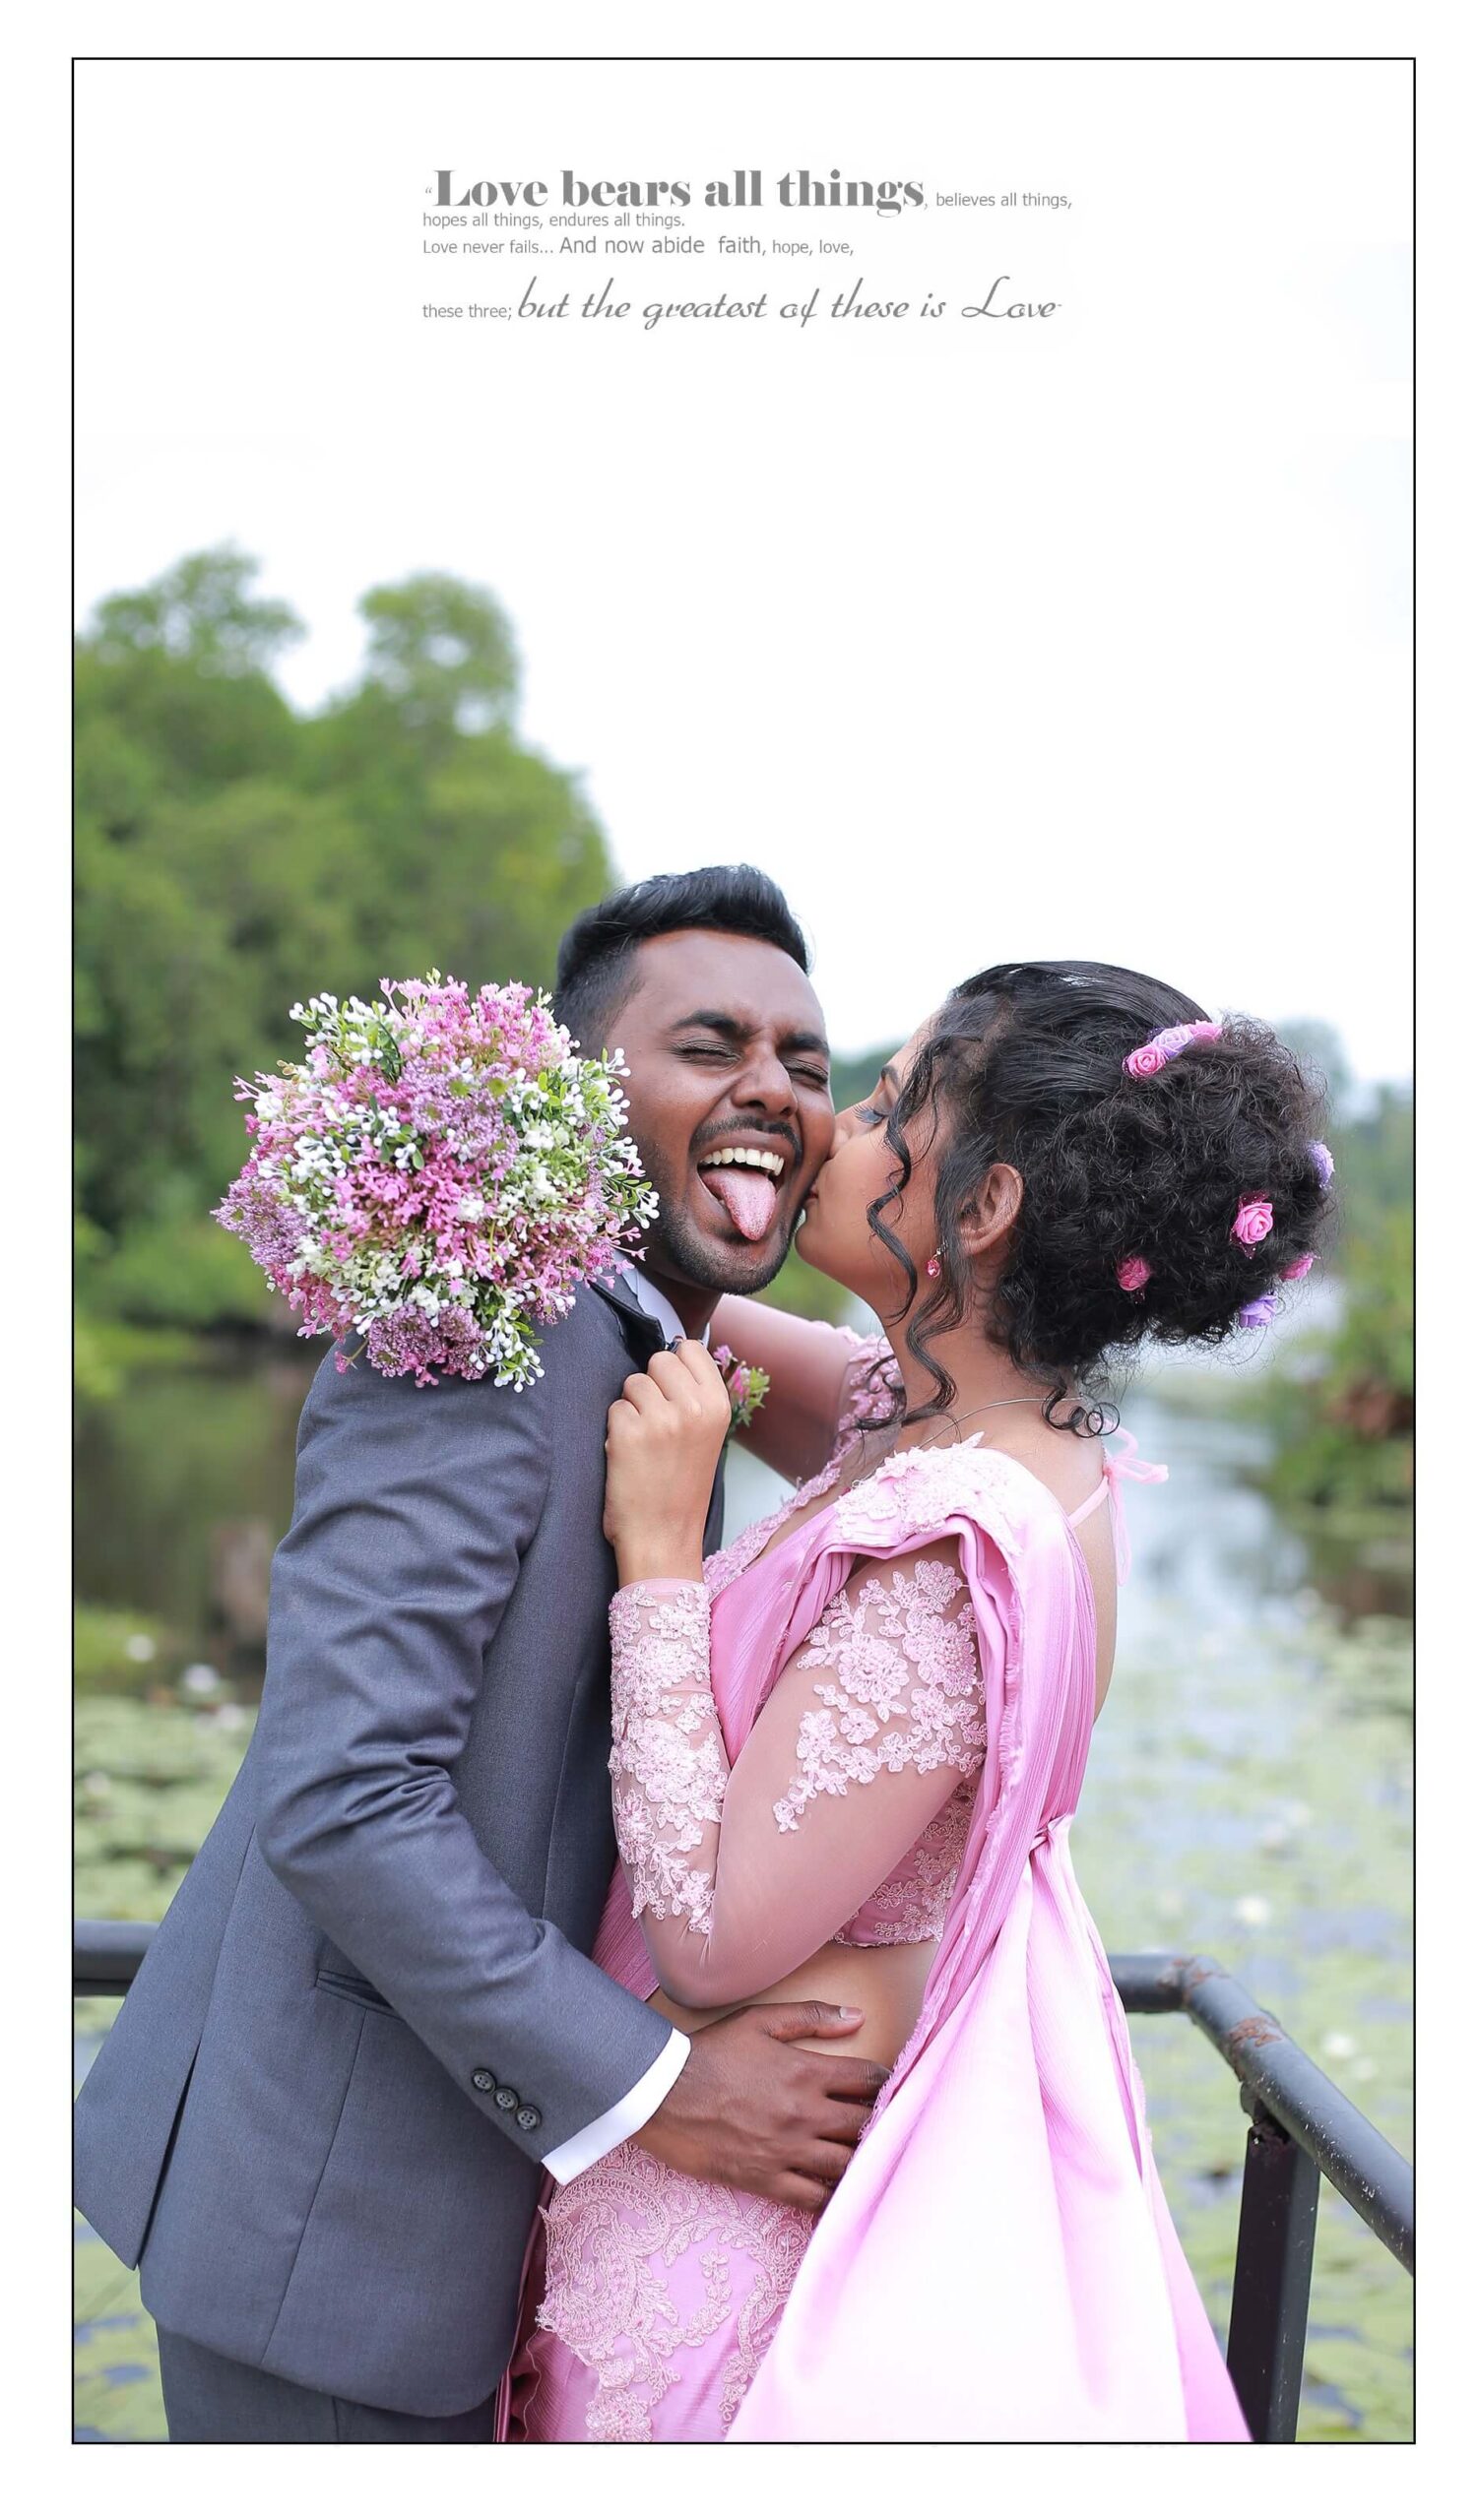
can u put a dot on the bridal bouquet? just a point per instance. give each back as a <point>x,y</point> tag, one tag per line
<point>439,1175</point>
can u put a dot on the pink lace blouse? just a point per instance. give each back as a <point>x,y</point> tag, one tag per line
<point>844,1817</point>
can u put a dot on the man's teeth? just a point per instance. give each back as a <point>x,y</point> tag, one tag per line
<point>744,1155</point>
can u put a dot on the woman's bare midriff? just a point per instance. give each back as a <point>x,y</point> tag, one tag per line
<point>885,1981</point>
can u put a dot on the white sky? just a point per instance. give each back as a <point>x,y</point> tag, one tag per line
<point>1084,636</point>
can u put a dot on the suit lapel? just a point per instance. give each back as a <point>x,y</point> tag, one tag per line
<point>713,1530</point>
<point>644,1337</point>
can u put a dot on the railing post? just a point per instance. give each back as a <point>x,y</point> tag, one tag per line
<point>1270,2287</point>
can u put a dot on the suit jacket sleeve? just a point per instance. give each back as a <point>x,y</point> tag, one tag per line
<point>414,1509</point>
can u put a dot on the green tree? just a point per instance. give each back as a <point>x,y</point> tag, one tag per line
<point>855,1076</point>
<point>443,654</point>
<point>178,676</point>
<point>200,612</point>
<point>1375,1152</point>
<point>1344,1410</point>
<point>476,853</point>
<point>233,856</point>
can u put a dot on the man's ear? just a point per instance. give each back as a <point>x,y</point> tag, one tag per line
<point>990,1213</point>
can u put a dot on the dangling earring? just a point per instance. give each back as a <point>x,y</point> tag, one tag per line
<point>932,1267</point>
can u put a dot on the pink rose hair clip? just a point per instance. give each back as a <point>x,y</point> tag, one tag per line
<point>1154,1055</point>
<point>1254,1223</point>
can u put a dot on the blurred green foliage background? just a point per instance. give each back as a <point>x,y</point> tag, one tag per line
<point>234,855</point>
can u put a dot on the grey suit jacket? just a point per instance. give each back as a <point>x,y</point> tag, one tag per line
<point>318,2121</point>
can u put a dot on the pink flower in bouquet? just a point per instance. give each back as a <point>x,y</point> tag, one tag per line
<point>439,1175</point>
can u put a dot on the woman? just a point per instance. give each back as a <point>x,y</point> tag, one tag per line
<point>848,1749</point>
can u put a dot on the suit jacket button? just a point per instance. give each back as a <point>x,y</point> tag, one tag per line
<point>505,2097</point>
<point>481,2079</point>
<point>529,2118</point>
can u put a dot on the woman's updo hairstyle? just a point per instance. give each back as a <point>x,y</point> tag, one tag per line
<point>1144,1175</point>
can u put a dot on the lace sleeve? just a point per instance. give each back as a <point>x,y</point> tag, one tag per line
<point>739,1876</point>
<point>903,1688</point>
<point>668,1765</point>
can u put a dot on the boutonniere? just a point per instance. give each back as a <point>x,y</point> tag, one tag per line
<point>746,1386</point>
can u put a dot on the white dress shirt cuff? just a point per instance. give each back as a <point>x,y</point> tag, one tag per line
<point>642,2101</point>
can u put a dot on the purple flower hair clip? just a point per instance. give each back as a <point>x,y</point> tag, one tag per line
<point>1322,1161</point>
<point>1256,1314</point>
<point>1156,1053</point>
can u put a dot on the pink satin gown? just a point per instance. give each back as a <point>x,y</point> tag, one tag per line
<point>874,1732</point>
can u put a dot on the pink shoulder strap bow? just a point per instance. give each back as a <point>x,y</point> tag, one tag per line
<point>1126,1464</point>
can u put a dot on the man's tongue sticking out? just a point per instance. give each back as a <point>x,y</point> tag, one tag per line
<point>749,1196</point>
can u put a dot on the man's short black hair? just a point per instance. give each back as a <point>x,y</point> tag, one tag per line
<point>597,970</point>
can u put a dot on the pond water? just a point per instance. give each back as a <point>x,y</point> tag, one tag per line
<point>1248,1795</point>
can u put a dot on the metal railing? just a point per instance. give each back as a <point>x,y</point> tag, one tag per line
<point>1303,2128</point>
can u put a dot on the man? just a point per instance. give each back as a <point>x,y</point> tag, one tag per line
<point>366,2024</point>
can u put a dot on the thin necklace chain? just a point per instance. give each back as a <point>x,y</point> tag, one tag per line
<point>1019,1402</point>
<point>931,1442</point>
